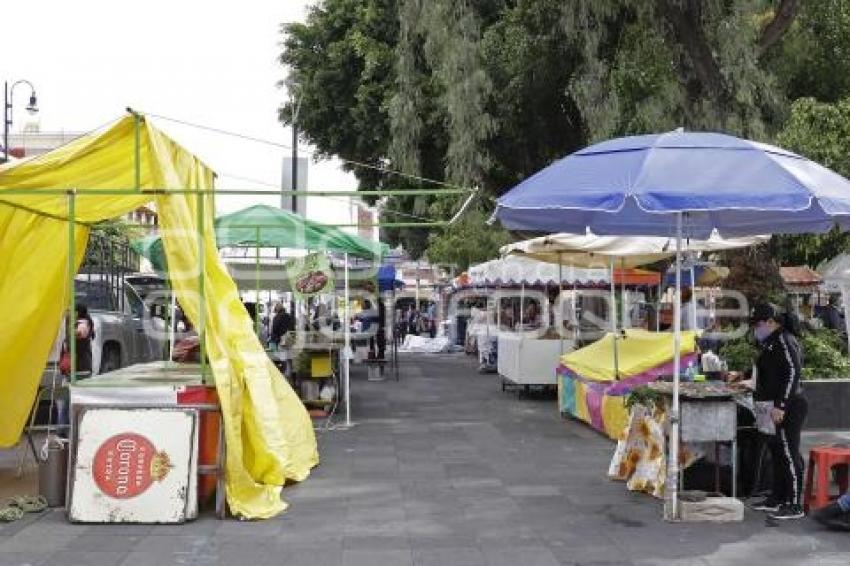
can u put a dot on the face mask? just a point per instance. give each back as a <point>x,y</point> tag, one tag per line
<point>761,332</point>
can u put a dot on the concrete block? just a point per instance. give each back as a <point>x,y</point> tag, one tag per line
<point>712,510</point>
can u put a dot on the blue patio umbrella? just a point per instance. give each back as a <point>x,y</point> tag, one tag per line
<point>682,184</point>
<point>635,186</point>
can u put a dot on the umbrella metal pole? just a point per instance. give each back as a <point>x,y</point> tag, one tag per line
<point>614,322</point>
<point>346,350</point>
<point>671,491</point>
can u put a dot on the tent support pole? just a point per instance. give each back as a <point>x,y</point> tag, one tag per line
<point>658,305</point>
<point>347,350</point>
<point>257,284</point>
<point>202,315</point>
<point>137,130</point>
<point>671,493</point>
<point>845,300</point>
<point>561,310</point>
<point>172,324</point>
<point>624,307</point>
<point>576,321</point>
<point>692,315</point>
<point>72,307</point>
<point>521,307</point>
<point>614,322</point>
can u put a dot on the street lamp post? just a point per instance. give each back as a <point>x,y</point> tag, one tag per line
<point>8,96</point>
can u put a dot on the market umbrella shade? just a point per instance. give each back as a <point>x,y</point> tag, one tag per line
<point>631,186</point>
<point>680,183</point>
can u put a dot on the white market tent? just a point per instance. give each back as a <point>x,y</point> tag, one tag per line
<point>518,270</point>
<point>836,279</point>
<point>591,250</point>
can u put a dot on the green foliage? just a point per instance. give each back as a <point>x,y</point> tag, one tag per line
<point>645,396</point>
<point>813,60</point>
<point>739,354</point>
<point>117,229</point>
<point>821,132</point>
<point>485,93</point>
<point>469,241</point>
<point>823,355</point>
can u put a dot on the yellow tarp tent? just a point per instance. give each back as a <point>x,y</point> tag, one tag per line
<point>638,352</point>
<point>269,435</point>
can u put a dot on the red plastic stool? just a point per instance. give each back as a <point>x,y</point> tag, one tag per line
<point>821,460</point>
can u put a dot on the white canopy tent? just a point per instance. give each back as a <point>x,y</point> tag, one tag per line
<point>836,279</point>
<point>518,270</point>
<point>591,250</point>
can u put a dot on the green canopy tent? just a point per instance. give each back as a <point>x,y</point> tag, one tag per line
<point>262,226</point>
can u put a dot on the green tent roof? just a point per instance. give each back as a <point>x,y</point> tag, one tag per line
<point>269,227</point>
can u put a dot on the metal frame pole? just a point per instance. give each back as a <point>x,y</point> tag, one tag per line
<point>347,350</point>
<point>72,269</point>
<point>202,317</point>
<point>560,305</point>
<point>6,109</point>
<point>138,151</point>
<point>671,491</point>
<point>623,300</point>
<point>613,310</point>
<point>692,307</point>
<point>257,283</point>
<point>172,324</point>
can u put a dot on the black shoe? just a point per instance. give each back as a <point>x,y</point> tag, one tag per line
<point>788,512</point>
<point>768,505</point>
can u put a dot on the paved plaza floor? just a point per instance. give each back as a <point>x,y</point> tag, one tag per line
<point>441,468</point>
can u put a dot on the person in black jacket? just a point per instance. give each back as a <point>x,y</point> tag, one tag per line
<point>778,383</point>
<point>282,323</point>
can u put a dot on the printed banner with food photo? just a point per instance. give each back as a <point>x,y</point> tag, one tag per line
<point>310,275</point>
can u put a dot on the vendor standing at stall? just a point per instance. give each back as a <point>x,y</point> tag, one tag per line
<point>778,387</point>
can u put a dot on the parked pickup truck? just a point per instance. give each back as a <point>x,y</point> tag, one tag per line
<point>129,314</point>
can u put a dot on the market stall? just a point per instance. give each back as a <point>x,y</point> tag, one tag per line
<point>528,351</point>
<point>684,184</point>
<point>323,354</point>
<point>592,390</point>
<point>48,206</point>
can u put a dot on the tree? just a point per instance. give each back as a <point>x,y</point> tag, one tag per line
<point>648,65</point>
<point>484,93</point>
<point>470,93</point>
<point>821,132</point>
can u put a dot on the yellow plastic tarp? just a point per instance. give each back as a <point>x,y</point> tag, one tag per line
<point>269,434</point>
<point>640,351</point>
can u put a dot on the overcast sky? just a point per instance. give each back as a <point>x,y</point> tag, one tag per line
<point>209,62</point>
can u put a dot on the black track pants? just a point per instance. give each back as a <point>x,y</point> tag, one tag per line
<point>788,465</point>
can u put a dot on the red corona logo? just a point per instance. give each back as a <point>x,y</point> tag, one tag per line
<point>127,464</point>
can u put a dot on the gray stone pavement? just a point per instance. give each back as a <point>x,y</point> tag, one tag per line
<point>442,468</point>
